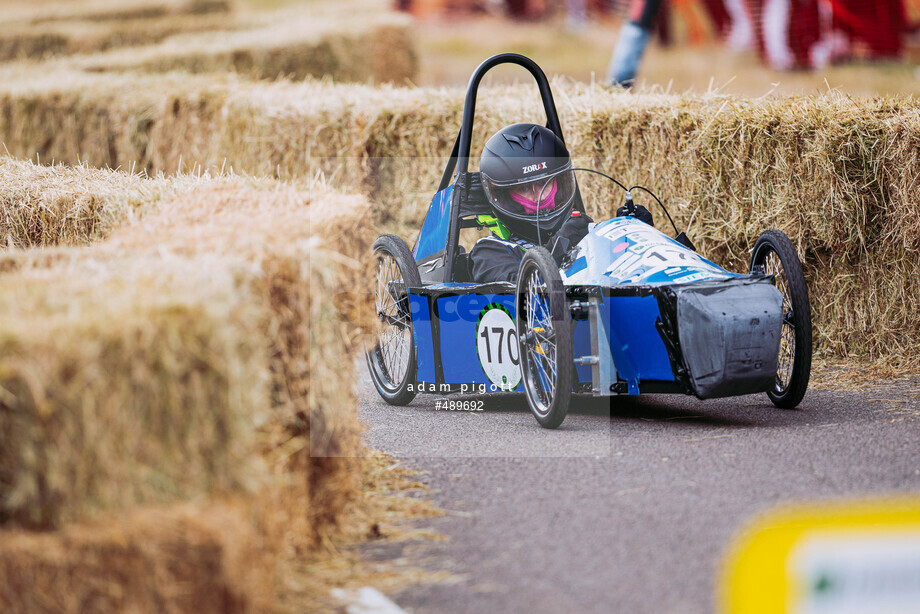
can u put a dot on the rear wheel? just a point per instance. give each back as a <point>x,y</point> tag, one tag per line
<point>545,338</point>
<point>776,255</point>
<point>392,360</point>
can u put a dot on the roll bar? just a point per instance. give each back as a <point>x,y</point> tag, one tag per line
<point>460,155</point>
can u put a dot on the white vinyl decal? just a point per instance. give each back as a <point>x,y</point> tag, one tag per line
<point>497,346</point>
<point>627,251</point>
<point>649,253</point>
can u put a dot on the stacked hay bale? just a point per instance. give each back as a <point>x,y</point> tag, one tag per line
<point>53,39</point>
<point>349,42</point>
<point>189,558</point>
<point>44,206</point>
<point>177,401</point>
<point>833,172</point>
<point>365,136</point>
<point>40,30</point>
<point>376,47</point>
<point>50,11</point>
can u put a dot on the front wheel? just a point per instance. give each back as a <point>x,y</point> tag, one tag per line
<point>545,338</point>
<point>392,360</point>
<point>775,255</point>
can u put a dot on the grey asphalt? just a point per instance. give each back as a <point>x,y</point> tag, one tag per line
<point>631,504</point>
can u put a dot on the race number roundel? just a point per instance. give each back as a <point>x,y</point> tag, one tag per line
<point>497,345</point>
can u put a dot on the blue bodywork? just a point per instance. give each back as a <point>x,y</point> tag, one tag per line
<point>624,263</point>
<point>637,348</point>
<point>432,240</point>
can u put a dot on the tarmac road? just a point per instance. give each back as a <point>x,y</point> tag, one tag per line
<point>630,505</point>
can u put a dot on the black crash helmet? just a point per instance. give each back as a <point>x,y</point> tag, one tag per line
<point>527,176</point>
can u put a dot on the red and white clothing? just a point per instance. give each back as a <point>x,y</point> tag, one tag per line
<point>814,33</point>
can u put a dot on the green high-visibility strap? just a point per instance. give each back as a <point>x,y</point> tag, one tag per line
<point>494,225</point>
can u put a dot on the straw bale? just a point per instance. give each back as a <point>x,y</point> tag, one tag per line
<point>190,558</point>
<point>49,116</point>
<point>41,12</point>
<point>376,47</point>
<point>123,387</point>
<point>152,366</point>
<point>32,44</point>
<point>836,173</point>
<point>203,351</point>
<point>60,38</point>
<point>832,172</point>
<point>43,206</point>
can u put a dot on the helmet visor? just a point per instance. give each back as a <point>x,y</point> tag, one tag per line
<point>533,198</point>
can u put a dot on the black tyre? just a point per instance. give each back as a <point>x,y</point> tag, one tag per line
<point>392,360</point>
<point>545,338</point>
<point>775,253</point>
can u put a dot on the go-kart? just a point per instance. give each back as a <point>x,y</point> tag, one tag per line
<point>628,310</point>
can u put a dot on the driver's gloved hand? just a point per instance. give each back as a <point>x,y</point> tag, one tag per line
<point>575,228</point>
<point>640,213</point>
<point>572,231</point>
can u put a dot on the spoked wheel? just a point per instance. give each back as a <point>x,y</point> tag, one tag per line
<point>392,360</point>
<point>775,253</point>
<point>545,337</point>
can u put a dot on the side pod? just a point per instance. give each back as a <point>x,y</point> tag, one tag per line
<point>727,337</point>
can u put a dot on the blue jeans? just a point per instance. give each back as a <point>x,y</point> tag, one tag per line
<point>624,64</point>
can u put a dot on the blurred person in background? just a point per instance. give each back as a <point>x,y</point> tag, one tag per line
<point>804,34</point>
<point>632,41</point>
<point>874,28</point>
<point>786,30</point>
<point>740,35</point>
<point>787,34</point>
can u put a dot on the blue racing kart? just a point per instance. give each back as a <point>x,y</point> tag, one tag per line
<point>628,310</point>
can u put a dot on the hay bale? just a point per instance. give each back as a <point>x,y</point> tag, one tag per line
<point>328,40</point>
<point>296,45</point>
<point>48,116</point>
<point>17,12</point>
<point>835,173</point>
<point>44,206</point>
<point>126,387</point>
<point>204,351</point>
<point>60,38</point>
<point>176,359</point>
<point>832,172</point>
<point>39,44</point>
<point>202,558</point>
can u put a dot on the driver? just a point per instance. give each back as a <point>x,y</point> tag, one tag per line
<point>528,179</point>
